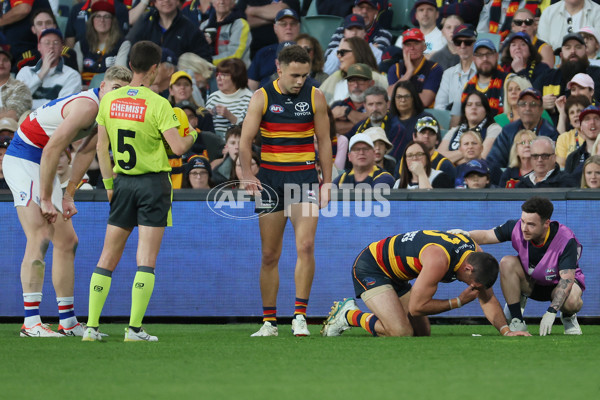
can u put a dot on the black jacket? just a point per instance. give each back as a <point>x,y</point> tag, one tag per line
<point>557,179</point>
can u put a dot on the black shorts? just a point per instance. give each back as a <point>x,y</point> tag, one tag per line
<point>544,293</point>
<point>282,188</point>
<point>141,200</point>
<point>367,275</point>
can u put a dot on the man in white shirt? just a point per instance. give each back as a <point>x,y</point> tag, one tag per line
<point>50,78</point>
<point>455,78</point>
<point>426,13</point>
<point>565,17</point>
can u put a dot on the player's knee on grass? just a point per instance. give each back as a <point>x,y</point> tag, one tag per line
<point>398,331</point>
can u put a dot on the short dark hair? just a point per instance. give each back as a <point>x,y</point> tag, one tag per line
<point>237,69</point>
<point>293,53</point>
<point>579,100</point>
<point>540,206</point>
<point>144,54</point>
<point>485,268</point>
<point>234,130</point>
<point>43,11</point>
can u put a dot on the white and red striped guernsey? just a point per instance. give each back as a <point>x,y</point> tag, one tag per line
<point>39,126</point>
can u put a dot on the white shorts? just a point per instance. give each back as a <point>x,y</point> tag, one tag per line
<point>23,179</point>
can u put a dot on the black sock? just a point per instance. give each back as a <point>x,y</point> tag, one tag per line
<point>565,315</point>
<point>515,310</point>
<point>136,330</point>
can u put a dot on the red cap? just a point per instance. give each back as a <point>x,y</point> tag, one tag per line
<point>413,34</point>
<point>103,6</point>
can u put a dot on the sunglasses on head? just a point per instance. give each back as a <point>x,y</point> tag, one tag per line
<point>520,22</point>
<point>426,122</point>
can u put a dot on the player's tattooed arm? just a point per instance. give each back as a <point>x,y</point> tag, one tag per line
<point>567,278</point>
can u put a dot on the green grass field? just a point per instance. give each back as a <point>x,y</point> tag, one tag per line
<point>223,362</point>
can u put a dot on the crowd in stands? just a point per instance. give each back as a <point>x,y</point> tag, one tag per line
<point>468,94</point>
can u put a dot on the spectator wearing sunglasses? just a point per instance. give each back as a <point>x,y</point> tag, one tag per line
<point>546,171</point>
<point>525,21</point>
<point>497,15</point>
<point>455,78</point>
<point>530,112</point>
<point>564,17</point>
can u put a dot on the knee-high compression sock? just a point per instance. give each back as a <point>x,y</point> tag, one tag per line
<point>31,303</point>
<point>99,288</point>
<point>364,320</point>
<point>143,286</point>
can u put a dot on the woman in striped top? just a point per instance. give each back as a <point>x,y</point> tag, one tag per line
<point>229,104</point>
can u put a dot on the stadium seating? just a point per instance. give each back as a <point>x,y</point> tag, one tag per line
<point>96,80</point>
<point>321,27</point>
<point>443,118</point>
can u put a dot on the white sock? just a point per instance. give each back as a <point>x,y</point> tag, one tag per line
<point>31,303</point>
<point>66,313</point>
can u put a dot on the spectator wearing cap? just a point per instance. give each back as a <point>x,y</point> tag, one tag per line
<point>16,26</point>
<point>574,60</point>
<point>589,120</point>
<point>354,26</point>
<point>569,140</point>
<point>229,103</point>
<point>448,56</point>
<point>368,9</point>
<point>564,17</point>
<point>546,172</point>
<point>364,170</point>
<point>427,132</point>
<point>455,78</point>
<point>166,69</point>
<point>426,15</point>
<point>525,21</point>
<point>416,171</point>
<point>8,127</point>
<point>4,142</point>
<point>15,96</point>
<point>476,175</point>
<point>287,28</point>
<point>101,47</point>
<point>592,44</point>
<point>382,146</point>
<point>489,79</point>
<point>227,32</point>
<point>198,173</point>
<point>519,57</point>
<point>42,19</point>
<point>261,15</point>
<point>351,110</point>
<point>167,27</point>
<point>180,88</point>
<point>50,79</point>
<point>80,14</point>
<point>424,74</point>
<point>530,112</point>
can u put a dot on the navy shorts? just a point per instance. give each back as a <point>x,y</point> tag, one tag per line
<point>367,275</point>
<point>282,188</point>
<point>544,293</point>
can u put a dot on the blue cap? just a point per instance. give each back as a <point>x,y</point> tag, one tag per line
<point>287,12</point>
<point>283,45</point>
<point>516,35</point>
<point>479,166</point>
<point>168,56</point>
<point>589,110</point>
<point>354,20</point>
<point>50,31</point>
<point>487,43</point>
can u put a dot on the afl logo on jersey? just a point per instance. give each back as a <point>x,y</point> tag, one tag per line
<point>88,62</point>
<point>132,92</point>
<point>276,109</point>
<point>302,106</point>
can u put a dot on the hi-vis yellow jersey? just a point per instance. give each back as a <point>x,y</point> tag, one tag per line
<point>135,118</point>
<point>399,256</point>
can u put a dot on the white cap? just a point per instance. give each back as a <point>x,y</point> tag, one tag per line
<point>361,137</point>
<point>376,133</point>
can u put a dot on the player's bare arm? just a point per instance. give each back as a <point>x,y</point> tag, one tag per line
<point>324,142</point>
<point>435,265</point>
<point>104,159</point>
<point>567,279</point>
<point>250,129</point>
<point>78,115</point>
<point>83,158</point>
<point>493,312</point>
<point>484,236</point>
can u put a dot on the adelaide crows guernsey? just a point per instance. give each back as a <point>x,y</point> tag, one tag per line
<point>399,256</point>
<point>287,129</point>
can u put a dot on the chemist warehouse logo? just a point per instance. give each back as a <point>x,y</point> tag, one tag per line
<point>128,109</point>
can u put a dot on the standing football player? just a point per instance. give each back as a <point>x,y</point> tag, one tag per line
<point>30,171</point>
<point>133,121</point>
